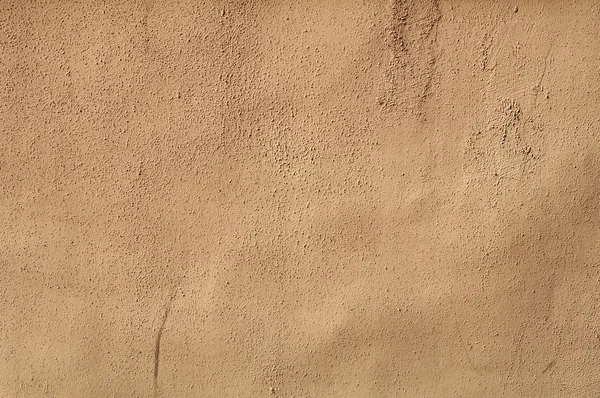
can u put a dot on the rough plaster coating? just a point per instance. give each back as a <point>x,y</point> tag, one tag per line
<point>299,198</point>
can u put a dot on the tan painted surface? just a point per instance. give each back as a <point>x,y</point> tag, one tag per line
<point>299,198</point>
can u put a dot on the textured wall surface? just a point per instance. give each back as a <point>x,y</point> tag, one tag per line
<point>321,198</point>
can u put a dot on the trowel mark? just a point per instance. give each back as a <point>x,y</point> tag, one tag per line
<point>549,366</point>
<point>158,339</point>
<point>412,41</point>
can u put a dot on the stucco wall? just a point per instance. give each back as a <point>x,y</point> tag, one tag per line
<point>299,198</point>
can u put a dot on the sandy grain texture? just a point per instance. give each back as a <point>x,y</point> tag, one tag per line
<point>299,198</point>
